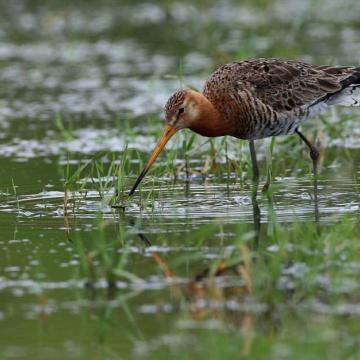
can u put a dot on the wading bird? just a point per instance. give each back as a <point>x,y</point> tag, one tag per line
<point>259,98</point>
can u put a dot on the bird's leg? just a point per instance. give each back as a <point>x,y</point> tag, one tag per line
<point>256,209</point>
<point>254,164</point>
<point>314,154</point>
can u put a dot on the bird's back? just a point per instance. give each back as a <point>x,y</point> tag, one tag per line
<point>268,97</point>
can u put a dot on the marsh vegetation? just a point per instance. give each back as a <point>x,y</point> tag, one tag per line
<point>191,266</point>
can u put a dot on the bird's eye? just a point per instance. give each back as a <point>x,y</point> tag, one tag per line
<point>181,110</point>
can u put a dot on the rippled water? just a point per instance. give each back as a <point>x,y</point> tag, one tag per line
<point>135,280</point>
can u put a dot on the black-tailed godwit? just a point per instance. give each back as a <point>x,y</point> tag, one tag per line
<point>259,98</point>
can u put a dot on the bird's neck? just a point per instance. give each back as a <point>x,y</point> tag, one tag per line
<point>209,120</point>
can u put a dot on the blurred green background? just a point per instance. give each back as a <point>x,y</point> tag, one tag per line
<point>83,78</point>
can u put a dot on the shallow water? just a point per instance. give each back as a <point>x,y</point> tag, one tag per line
<point>146,279</point>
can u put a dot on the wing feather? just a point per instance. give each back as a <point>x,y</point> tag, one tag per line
<point>282,84</point>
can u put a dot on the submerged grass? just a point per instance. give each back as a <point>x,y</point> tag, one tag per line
<point>255,296</point>
<point>169,273</point>
<point>281,246</point>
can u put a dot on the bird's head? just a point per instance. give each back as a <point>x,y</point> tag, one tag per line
<point>182,110</point>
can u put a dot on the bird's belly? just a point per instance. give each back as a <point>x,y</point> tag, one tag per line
<point>286,128</point>
<point>288,123</point>
<point>283,127</point>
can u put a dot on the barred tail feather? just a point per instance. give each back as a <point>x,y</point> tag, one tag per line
<point>350,96</point>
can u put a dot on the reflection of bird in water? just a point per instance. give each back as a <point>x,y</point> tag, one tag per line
<point>259,98</point>
<point>207,293</point>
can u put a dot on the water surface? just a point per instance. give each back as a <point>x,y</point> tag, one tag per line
<point>191,266</point>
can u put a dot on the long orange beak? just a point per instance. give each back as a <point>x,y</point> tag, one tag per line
<point>168,133</point>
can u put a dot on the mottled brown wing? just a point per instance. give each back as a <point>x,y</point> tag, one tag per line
<point>286,85</point>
